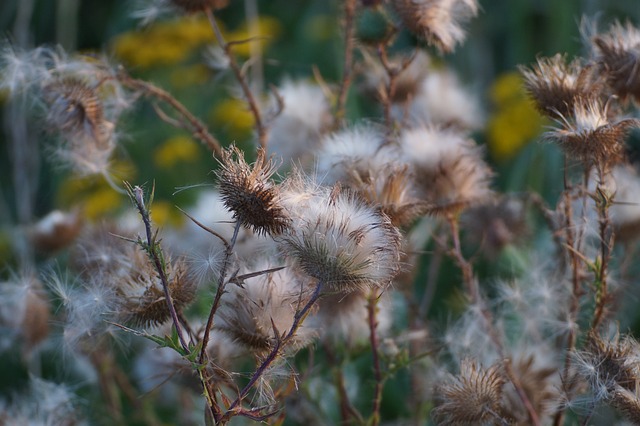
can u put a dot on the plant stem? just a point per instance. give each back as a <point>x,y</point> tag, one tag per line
<point>261,128</point>
<point>347,66</point>
<point>219,293</point>
<point>377,371</point>
<point>155,254</point>
<point>197,127</point>
<point>280,343</point>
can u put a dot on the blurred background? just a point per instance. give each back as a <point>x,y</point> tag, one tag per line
<point>295,38</point>
<point>298,39</point>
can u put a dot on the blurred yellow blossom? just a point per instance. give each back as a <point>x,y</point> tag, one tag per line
<point>268,30</point>
<point>164,213</point>
<point>100,203</point>
<point>163,43</point>
<point>515,121</point>
<point>234,116</point>
<point>93,193</point>
<point>174,150</point>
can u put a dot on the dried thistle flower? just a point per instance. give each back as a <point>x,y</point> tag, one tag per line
<point>589,136</point>
<point>248,192</point>
<point>339,239</point>
<point>253,308</point>
<point>141,298</point>
<point>619,55</point>
<point>556,86</point>
<point>536,379</point>
<point>612,369</point>
<point>437,21</point>
<point>24,312</point>
<point>79,97</point>
<point>127,281</point>
<point>55,231</point>
<point>359,159</point>
<point>472,397</point>
<point>150,10</point>
<point>74,108</point>
<point>448,168</point>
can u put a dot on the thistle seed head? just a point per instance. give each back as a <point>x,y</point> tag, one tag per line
<point>248,192</point>
<point>437,21</point>
<point>590,137</point>
<point>448,168</point>
<point>556,85</point>
<point>341,240</point>
<point>618,52</point>
<point>75,108</point>
<point>472,397</point>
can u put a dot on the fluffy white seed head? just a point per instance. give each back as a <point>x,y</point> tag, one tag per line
<point>296,131</point>
<point>339,239</point>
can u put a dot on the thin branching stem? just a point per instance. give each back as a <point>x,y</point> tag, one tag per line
<point>219,292</point>
<point>261,127</point>
<point>280,343</point>
<point>347,66</point>
<point>606,244</point>
<point>193,124</point>
<point>473,290</point>
<point>154,252</point>
<point>372,308</point>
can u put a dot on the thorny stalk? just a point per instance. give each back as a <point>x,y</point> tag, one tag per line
<point>347,67</point>
<point>261,127</point>
<point>389,92</point>
<point>372,307</point>
<point>193,124</point>
<point>606,236</point>
<point>471,284</point>
<point>576,293</point>
<point>154,251</point>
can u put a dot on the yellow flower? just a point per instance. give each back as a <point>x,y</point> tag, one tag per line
<point>101,203</point>
<point>234,116</point>
<point>164,213</point>
<point>94,193</point>
<point>174,150</point>
<point>163,43</point>
<point>515,121</point>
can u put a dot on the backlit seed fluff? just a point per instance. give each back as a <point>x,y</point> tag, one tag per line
<point>250,194</point>
<point>437,21</point>
<point>473,397</point>
<point>141,298</point>
<point>556,85</point>
<point>447,167</point>
<point>251,310</point>
<point>342,241</point>
<point>589,136</point>
<point>618,51</point>
<point>612,369</point>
